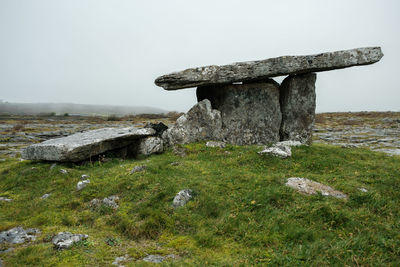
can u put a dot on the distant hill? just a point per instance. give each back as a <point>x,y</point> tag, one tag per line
<point>74,109</point>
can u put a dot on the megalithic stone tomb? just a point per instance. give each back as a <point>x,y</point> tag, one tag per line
<point>254,108</point>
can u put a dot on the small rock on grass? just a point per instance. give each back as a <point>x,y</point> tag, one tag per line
<point>175,163</point>
<point>84,177</point>
<point>179,151</point>
<point>18,235</point>
<point>118,260</point>
<point>66,239</point>
<point>45,196</point>
<point>182,198</point>
<point>63,171</point>
<point>362,189</point>
<point>158,258</point>
<point>5,199</point>
<point>139,168</point>
<point>110,201</point>
<point>310,187</point>
<point>82,184</point>
<point>278,151</point>
<point>53,166</point>
<point>219,144</point>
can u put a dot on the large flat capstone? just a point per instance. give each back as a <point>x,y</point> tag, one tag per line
<point>81,146</point>
<point>260,70</point>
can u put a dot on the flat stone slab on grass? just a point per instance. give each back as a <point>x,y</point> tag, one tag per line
<point>81,146</point>
<point>18,235</point>
<point>272,67</point>
<point>310,187</point>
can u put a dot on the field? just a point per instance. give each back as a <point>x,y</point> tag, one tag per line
<point>242,213</point>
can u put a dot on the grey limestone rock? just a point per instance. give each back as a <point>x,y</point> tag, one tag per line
<point>139,168</point>
<point>182,198</point>
<point>118,260</point>
<point>66,239</point>
<point>150,145</point>
<point>18,235</point>
<point>81,146</point>
<point>278,151</point>
<point>45,196</point>
<point>310,187</point>
<point>260,70</point>
<point>82,184</point>
<point>5,199</point>
<point>110,201</point>
<point>201,122</point>
<point>297,101</point>
<point>219,144</point>
<point>250,113</point>
<point>154,258</point>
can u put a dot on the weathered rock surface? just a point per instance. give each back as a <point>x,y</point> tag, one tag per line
<point>158,258</point>
<point>81,146</point>
<point>66,239</point>
<point>310,187</point>
<point>219,144</point>
<point>18,235</point>
<point>297,100</point>
<point>82,184</point>
<point>118,260</point>
<point>201,122</point>
<point>281,151</point>
<point>182,198</point>
<point>110,202</point>
<point>260,70</point>
<point>250,113</point>
<point>139,168</point>
<point>150,145</point>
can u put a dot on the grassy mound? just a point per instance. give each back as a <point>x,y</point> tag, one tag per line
<point>242,213</point>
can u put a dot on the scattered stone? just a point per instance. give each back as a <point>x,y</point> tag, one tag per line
<point>5,199</point>
<point>297,102</point>
<point>278,151</point>
<point>182,198</point>
<point>82,184</point>
<point>154,258</point>
<point>200,123</point>
<point>250,113</point>
<point>362,189</point>
<point>110,201</point>
<point>63,171</point>
<point>18,235</point>
<point>215,144</point>
<point>85,177</point>
<point>175,163</point>
<point>45,196</point>
<point>253,71</point>
<point>81,146</point>
<point>53,166</point>
<point>310,187</point>
<point>66,239</point>
<point>150,145</point>
<point>289,143</point>
<point>118,260</point>
<point>139,168</point>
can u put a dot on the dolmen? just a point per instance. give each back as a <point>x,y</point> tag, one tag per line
<point>241,104</point>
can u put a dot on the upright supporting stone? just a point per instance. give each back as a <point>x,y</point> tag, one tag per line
<point>297,98</point>
<point>250,113</point>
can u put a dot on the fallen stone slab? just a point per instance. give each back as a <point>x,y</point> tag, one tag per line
<point>81,146</point>
<point>66,239</point>
<point>18,235</point>
<point>260,70</point>
<point>310,187</point>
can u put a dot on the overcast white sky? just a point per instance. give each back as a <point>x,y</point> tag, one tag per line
<point>110,52</point>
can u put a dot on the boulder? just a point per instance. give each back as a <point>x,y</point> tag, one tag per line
<point>182,198</point>
<point>310,187</point>
<point>18,235</point>
<point>297,101</point>
<point>260,70</point>
<point>150,145</point>
<point>250,113</point>
<point>66,239</point>
<point>201,122</point>
<point>81,146</point>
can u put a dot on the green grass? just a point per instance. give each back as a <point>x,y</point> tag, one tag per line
<point>242,214</point>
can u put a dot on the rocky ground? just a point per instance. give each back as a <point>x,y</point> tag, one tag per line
<point>379,131</point>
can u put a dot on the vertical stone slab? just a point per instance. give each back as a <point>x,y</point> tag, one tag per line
<point>297,99</point>
<point>250,113</point>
